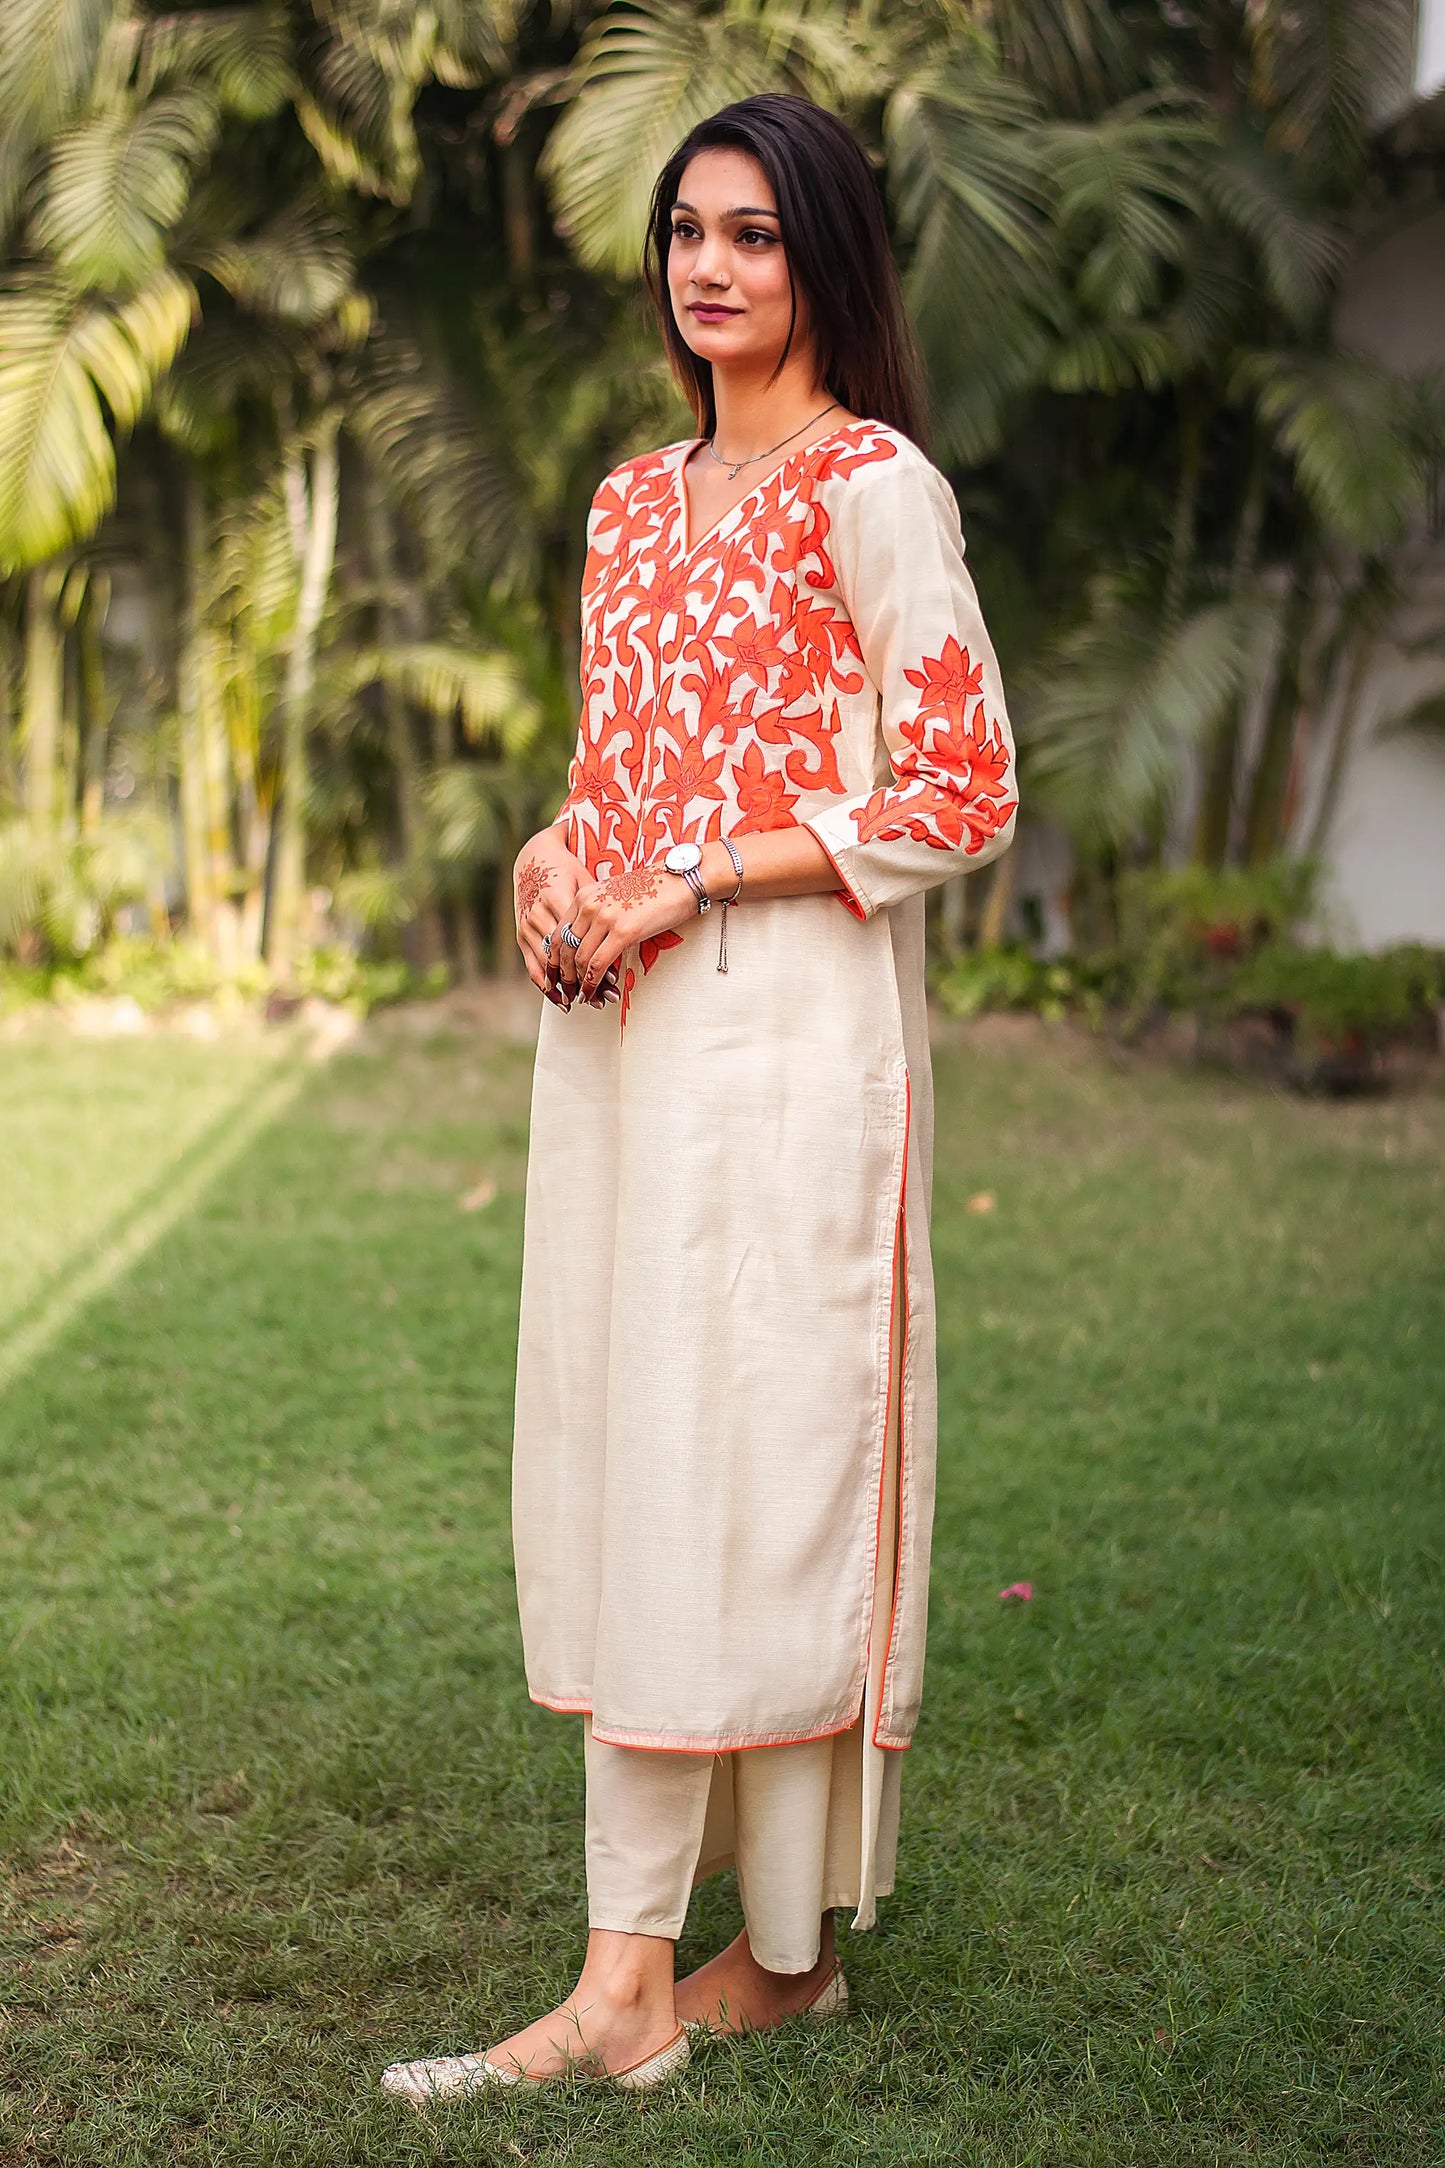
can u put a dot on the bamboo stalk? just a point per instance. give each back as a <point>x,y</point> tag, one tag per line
<point>318,560</point>
<point>42,694</point>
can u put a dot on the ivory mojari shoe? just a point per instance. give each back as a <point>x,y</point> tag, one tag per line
<point>449,2077</point>
<point>828,2000</point>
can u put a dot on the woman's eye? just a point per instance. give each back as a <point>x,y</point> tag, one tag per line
<point>756,233</point>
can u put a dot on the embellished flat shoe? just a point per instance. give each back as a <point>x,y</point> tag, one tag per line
<point>449,2077</point>
<point>829,1999</point>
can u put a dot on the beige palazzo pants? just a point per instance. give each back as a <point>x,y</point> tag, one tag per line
<point>808,1825</point>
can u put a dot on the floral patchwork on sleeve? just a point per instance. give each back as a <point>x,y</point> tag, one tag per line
<point>949,801</point>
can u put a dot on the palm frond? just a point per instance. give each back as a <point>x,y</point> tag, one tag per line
<point>972,207</point>
<point>413,423</point>
<point>299,267</point>
<point>1128,191</point>
<point>645,75</point>
<point>1112,358</point>
<point>117,184</point>
<point>1260,197</point>
<point>242,54</point>
<point>232,360</point>
<point>484,689</point>
<point>1077,54</point>
<point>68,369</point>
<point>1346,423</point>
<point>1324,72</point>
<point>48,53</point>
<point>473,810</point>
<point>1121,706</point>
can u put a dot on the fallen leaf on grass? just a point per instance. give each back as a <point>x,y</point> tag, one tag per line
<point>981,1201</point>
<point>1017,1592</point>
<point>477,1199</point>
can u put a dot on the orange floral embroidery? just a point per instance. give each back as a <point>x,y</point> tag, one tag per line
<point>952,787</point>
<point>715,678</point>
<point>649,950</point>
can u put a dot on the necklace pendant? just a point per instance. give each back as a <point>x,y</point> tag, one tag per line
<point>734,472</point>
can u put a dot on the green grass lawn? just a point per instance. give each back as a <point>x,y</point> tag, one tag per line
<point>277,1810</point>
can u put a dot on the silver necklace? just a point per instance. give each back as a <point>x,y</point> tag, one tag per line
<point>735,467</point>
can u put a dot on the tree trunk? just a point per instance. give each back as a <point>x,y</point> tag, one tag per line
<point>318,560</point>
<point>1216,807</point>
<point>953,916</point>
<point>1273,768</point>
<point>9,775</point>
<point>1186,508</point>
<point>1357,668</point>
<point>429,938</point>
<point>95,711</point>
<point>506,956</point>
<point>42,698</point>
<point>469,947</point>
<point>190,705</point>
<point>994,923</point>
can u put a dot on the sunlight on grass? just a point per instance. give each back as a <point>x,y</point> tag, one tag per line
<point>88,1129</point>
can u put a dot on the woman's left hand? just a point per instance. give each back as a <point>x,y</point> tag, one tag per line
<point>609,916</point>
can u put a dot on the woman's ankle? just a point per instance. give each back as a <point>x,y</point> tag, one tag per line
<point>632,1971</point>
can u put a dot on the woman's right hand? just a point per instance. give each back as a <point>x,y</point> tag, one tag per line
<point>545,881</point>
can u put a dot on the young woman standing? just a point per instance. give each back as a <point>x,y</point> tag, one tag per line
<point>792,726</point>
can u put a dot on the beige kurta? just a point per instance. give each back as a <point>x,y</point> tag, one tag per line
<point>725,1173</point>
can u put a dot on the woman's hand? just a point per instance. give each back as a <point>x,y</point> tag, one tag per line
<point>545,881</point>
<point>609,916</point>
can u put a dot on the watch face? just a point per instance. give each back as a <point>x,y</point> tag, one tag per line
<point>682,858</point>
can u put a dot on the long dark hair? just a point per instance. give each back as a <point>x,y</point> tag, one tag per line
<point>835,239</point>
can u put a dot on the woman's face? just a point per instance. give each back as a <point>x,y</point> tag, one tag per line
<point>726,270</point>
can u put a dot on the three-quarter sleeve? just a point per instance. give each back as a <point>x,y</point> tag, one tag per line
<point>950,802</point>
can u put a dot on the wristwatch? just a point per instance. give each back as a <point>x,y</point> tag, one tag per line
<point>685,858</point>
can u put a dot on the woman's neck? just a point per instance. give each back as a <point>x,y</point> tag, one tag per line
<point>753,415</point>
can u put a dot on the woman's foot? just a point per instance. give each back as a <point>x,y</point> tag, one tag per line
<point>620,2012</point>
<point>733,1993</point>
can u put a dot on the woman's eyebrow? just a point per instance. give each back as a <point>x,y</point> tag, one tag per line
<point>743,210</point>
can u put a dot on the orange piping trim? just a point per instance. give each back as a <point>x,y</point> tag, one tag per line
<point>848,895</point>
<point>902,1404</point>
<point>669,1743</point>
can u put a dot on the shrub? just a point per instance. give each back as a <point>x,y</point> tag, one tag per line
<point>1338,1004</point>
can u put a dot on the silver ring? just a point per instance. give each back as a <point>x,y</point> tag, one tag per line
<point>573,940</point>
<point>546,944</point>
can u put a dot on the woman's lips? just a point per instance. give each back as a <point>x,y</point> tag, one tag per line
<point>710,312</point>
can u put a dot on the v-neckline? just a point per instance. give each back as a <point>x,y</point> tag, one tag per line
<point>679,484</point>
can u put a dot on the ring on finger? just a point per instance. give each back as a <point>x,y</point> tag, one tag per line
<point>546,944</point>
<point>573,940</point>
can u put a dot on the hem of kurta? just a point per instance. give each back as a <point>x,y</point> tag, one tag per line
<point>888,1739</point>
<point>850,895</point>
<point>672,1742</point>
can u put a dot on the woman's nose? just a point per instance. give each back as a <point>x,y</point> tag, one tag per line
<point>711,266</point>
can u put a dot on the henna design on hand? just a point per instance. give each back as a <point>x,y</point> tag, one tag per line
<point>531,881</point>
<point>636,885</point>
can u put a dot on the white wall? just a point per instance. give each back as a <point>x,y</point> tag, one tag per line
<point>1385,856</point>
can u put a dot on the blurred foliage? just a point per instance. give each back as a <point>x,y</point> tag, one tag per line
<point>319,325</point>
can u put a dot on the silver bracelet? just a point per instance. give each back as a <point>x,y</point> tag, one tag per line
<point>728,901</point>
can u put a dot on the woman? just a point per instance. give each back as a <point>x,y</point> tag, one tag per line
<point>792,726</point>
